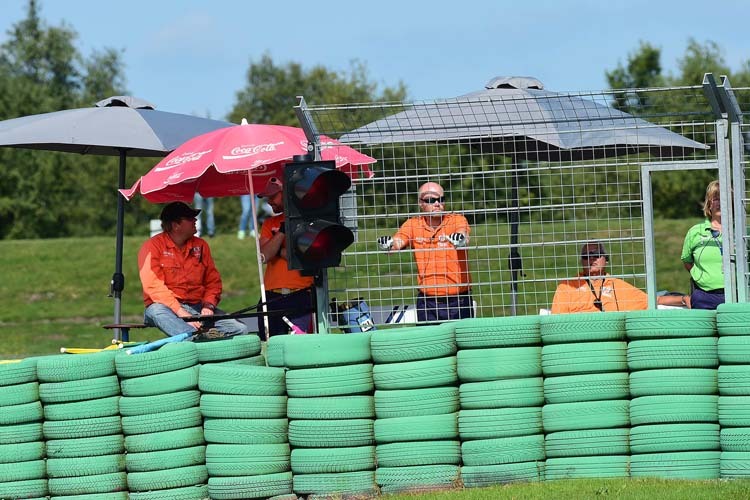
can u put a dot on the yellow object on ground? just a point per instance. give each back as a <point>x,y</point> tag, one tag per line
<point>116,344</point>
<point>79,350</point>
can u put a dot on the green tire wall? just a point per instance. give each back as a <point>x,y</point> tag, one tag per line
<point>470,403</point>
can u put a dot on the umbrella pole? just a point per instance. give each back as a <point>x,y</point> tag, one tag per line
<point>514,259</point>
<point>254,215</point>
<point>117,285</point>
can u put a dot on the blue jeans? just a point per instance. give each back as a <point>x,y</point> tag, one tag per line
<point>245,218</point>
<point>166,320</point>
<point>206,209</point>
<point>444,307</point>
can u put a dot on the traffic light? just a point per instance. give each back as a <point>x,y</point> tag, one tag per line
<point>315,236</point>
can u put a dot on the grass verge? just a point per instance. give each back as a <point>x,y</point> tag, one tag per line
<point>597,489</point>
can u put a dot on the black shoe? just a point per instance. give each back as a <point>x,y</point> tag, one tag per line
<point>210,335</point>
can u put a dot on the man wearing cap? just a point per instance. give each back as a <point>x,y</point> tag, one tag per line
<point>439,241</point>
<point>596,291</point>
<point>285,288</point>
<point>179,277</point>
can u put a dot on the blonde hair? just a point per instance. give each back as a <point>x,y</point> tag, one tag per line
<point>712,191</point>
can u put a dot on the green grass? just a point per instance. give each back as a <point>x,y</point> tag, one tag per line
<point>54,293</point>
<point>597,489</point>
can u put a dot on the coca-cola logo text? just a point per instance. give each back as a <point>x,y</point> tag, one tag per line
<point>182,159</point>
<point>245,151</point>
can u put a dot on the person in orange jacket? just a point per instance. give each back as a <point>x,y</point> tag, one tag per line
<point>439,239</point>
<point>593,290</point>
<point>285,288</point>
<point>179,277</point>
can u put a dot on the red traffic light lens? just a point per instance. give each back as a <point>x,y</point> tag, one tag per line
<point>318,187</point>
<point>321,241</point>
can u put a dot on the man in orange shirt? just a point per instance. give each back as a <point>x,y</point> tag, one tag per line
<point>595,291</point>
<point>179,277</point>
<point>439,241</point>
<point>285,288</point>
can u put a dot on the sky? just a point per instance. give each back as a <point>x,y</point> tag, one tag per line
<point>192,56</point>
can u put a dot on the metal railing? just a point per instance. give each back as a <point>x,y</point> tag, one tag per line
<point>537,174</point>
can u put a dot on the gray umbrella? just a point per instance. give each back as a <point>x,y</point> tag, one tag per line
<point>118,126</point>
<point>519,118</point>
<point>515,116</point>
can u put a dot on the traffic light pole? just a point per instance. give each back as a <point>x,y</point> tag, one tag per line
<point>321,301</point>
<point>307,125</point>
<point>321,279</point>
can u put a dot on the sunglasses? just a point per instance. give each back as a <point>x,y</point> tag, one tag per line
<point>589,256</point>
<point>432,201</point>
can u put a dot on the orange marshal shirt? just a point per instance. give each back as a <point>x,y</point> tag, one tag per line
<point>170,275</point>
<point>575,296</point>
<point>442,268</point>
<point>277,273</point>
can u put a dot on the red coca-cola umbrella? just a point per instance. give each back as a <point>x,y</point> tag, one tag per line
<point>225,162</point>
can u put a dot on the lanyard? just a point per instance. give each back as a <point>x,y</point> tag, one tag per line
<point>597,298</point>
<point>715,235</point>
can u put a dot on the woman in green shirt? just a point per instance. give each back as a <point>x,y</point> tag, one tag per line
<point>702,254</point>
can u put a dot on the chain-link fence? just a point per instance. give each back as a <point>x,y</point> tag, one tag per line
<point>537,174</point>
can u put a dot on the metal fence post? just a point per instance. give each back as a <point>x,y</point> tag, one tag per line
<point>723,115</point>
<point>739,237</point>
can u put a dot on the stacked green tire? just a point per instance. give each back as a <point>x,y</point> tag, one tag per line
<point>585,416</point>
<point>85,451</point>
<point>733,325</point>
<point>673,359</point>
<point>416,404</point>
<point>331,414</point>
<point>240,349</point>
<point>245,425</point>
<point>162,423</point>
<point>501,397</point>
<point>22,467</point>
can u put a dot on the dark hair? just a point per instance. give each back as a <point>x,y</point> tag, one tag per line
<point>587,248</point>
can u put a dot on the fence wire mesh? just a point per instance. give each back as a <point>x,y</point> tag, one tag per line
<point>743,141</point>
<point>531,166</point>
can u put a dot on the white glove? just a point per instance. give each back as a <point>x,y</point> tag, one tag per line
<point>385,242</point>
<point>457,239</point>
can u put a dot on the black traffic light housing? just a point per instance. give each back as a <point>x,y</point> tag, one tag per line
<point>315,236</point>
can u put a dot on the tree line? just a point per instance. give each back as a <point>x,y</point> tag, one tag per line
<point>48,195</point>
<point>676,194</point>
